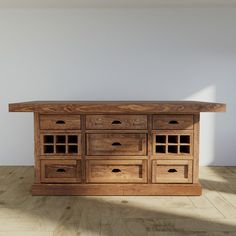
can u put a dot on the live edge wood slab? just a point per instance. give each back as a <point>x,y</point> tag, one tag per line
<point>116,147</point>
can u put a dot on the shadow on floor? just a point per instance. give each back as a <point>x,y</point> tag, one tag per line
<point>220,179</point>
<point>107,216</point>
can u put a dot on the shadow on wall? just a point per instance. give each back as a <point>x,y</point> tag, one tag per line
<point>217,129</point>
<point>207,126</point>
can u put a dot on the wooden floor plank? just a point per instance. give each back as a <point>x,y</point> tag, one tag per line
<point>212,214</point>
<point>26,233</point>
<point>219,202</point>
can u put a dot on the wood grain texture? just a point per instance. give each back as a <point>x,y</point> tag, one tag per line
<point>116,171</point>
<point>114,122</point>
<point>60,143</point>
<point>174,144</point>
<point>60,122</point>
<point>196,148</point>
<point>60,171</point>
<point>106,107</point>
<point>172,122</point>
<point>148,143</point>
<point>117,189</point>
<point>116,157</point>
<point>150,148</point>
<point>83,149</point>
<point>36,148</point>
<point>116,144</point>
<point>213,213</point>
<point>116,131</point>
<point>172,171</point>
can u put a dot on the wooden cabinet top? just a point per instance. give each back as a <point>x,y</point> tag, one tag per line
<point>100,107</point>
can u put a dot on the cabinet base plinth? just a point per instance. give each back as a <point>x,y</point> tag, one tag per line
<point>117,189</point>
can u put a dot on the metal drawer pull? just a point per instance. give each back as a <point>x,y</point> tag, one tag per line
<point>116,122</point>
<point>116,170</point>
<point>116,144</point>
<point>172,170</point>
<point>61,170</point>
<point>60,122</point>
<point>173,122</point>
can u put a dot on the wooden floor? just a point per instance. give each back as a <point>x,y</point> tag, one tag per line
<point>214,213</point>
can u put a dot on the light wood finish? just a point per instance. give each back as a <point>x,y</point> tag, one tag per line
<point>60,122</point>
<point>115,157</point>
<point>114,147</point>
<point>173,122</point>
<point>213,213</point>
<point>172,171</point>
<point>116,122</point>
<point>116,171</point>
<point>56,143</point>
<point>196,148</point>
<point>116,144</point>
<point>173,144</point>
<point>60,171</point>
<point>150,148</point>
<point>108,189</point>
<point>60,157</point>
<point>83,148</point>
<point>108,107</point>
<point>36,148</point>
<point>117,131</point>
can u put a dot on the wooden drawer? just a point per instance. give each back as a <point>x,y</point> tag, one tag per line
<point>116,122</point>
<point>60,171</point>
<point>116,144</point>
<point>59,122</point>
<point>173,122</point>
<point>172,171</point>
<point>116,171</point>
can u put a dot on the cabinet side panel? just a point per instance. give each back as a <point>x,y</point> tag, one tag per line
<point>149,168</point>
<point>83,148</point>
<point>36,148</point>
<point>196,120</point>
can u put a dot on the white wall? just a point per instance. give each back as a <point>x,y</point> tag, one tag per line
<point>118,54</point>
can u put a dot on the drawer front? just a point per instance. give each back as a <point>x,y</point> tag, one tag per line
<point>60,171</point>
<point>116,171</point>
<point>172,171</point>
<point>116,122</point>
<point>59,121</point>
<point>116,144</point>
<point>173,122</point>
<point>60,143</point>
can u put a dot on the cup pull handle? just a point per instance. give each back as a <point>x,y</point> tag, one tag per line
<point>172,170</point>
<point>116,144</point>
<point>116,170</point>
<point>116,122</point>
<point>61,170</point>
<point>173,122</point>
<point>60,122</point>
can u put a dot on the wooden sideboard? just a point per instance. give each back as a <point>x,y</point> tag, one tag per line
<point>116,148</point>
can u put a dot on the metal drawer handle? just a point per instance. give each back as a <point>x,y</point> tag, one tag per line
<point>172,170</point>
<point>173,122</point>
<point>116,170</point>
<point>60,122</point>
<point>116,144</point>
<point>116,122</point>
<point>61,170</point>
